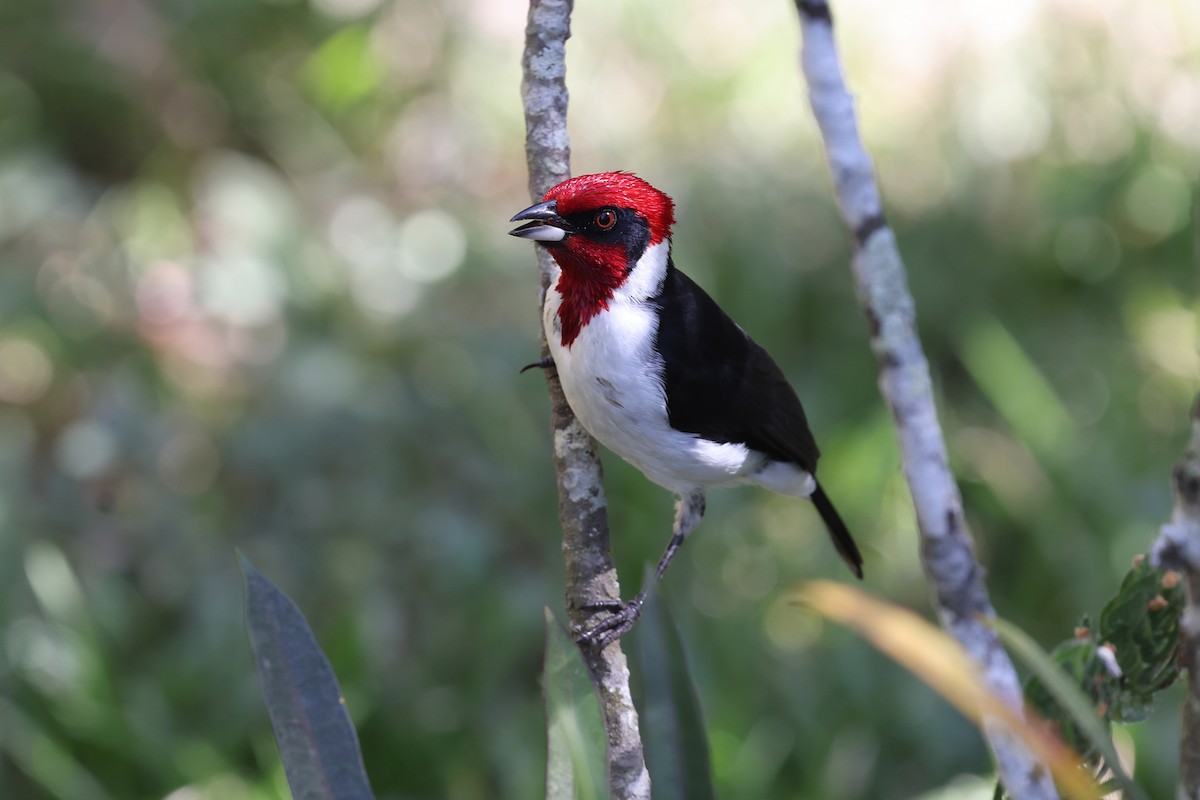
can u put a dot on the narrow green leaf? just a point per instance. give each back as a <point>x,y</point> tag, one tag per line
<point>577,746</point>
<point>1016,386</point>
<point>308,715</point>
<point>1070,697</point>
<point>672,721</point>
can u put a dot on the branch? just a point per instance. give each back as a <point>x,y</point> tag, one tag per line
<point>947,549</point>
<point>582,510</point>
<point>1178,548</point>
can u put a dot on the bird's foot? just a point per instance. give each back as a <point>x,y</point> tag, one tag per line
<point>541,363</point>
<point>611,628</point>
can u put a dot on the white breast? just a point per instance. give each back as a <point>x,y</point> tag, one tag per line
<point>613,380</point>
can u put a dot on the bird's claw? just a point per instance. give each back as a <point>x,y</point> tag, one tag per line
<point>611,628</point>
<point>541,363</point>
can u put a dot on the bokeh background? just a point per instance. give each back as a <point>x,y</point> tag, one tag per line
<point>256,292</point>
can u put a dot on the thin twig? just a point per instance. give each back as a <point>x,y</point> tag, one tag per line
<point>947,549</point>
<point>582,510</point>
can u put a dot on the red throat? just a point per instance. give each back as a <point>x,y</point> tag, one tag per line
<point>592,272</point>
<point>590,275</point>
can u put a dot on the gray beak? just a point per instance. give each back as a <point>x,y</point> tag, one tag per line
<point>545,224</point>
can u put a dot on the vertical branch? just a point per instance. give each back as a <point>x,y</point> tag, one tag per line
<point>947,549</point>
<point>582,509</point>
<point>1178,547</point>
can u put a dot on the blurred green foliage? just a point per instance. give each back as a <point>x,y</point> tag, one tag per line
<point>255,291</point>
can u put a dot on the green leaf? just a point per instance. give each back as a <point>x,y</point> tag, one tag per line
<point>1069,697</point>
<point>673,728</point>
<point>577,745</point>
<point>1142,625</point>
<point>308,714</point>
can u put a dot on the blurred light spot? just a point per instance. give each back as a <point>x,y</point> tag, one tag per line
<point>52,580</point>
<point>84,449</point>
<point>495,17</point>
<point>432,246</point>
<point>762,124</point>
<point>1005,465</point>
<point>1162,409</point>
<point>919,183</point>
<point>1168,337</point>
<point>49,656</point>
<point>222,787</point>
<point>427,147</point>
<point>1179,114</point>
<point>32,188</point>
<point>194,115</point>
<point>347,9</point>
<point>446,374</point>
<point>79,305</point>
<point>778,522</point>
<point>790,628</point>
<point>25,370</point>
<point>1089,395</point>
<point>164,293</point>
<point>241,289</point>
<point>408,40</point>
<point>762,754</point>
<point>150,220</point>
<point>258,344</point>
<point>343,70</point>
<point>994,24</point>
<point>749,572</point>
<point>364,232</point>
<point>1097,128</point>
<point>720,41</point>
<point>324,377</point>
<point>624,98</point>
<point>383,290</point>
<point>851,762</point>
<point>1087,249</point>
<point>710,599</point>
<point>189,462</point>
<point>1157,201</point>
<point>1003,120</point>
<point>241,204</point>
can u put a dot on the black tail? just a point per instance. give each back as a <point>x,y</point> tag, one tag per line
<point>838,531</point>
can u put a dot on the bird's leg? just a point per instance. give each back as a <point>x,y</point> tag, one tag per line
<point>542,363</point>
<point>688,512</point>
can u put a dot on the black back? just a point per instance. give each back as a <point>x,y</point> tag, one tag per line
<point>721,384</point>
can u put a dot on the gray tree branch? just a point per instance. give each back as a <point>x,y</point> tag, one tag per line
<point>947,549</point>
<point>1178,547</point>
<point>582,509</point>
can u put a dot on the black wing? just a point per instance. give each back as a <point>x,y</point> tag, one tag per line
<point>721,384</point>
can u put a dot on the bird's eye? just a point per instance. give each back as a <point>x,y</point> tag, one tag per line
<point>606,219</point>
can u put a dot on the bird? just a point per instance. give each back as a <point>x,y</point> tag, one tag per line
<point>657,372</point>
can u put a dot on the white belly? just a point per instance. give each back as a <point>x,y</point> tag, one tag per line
<point>614,384</point>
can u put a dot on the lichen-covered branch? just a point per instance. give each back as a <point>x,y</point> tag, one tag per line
<point>947,549</point>
<point>1178,548</point>
<point>582,510</point>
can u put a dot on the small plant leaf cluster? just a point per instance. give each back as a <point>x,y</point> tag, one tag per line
<point>1119,664</point>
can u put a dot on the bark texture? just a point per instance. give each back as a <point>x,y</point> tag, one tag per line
<point>582,509</point>
<point>947,548</point>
